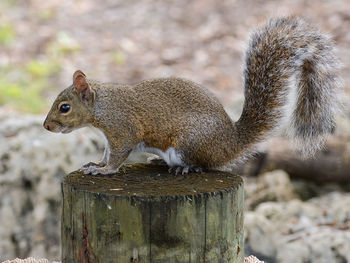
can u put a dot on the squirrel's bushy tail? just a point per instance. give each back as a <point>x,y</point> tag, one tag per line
<point>290,80</point>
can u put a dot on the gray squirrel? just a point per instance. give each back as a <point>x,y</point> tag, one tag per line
<point>290,78</point>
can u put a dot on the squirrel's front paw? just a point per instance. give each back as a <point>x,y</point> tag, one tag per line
<point>95,170</point>
<point>98,164</point>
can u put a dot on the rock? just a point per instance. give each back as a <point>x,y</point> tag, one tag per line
<point>258,233</point>
<point>320,244</point>
<point>271,186</point>
<point>294,231</point>
<point>252,259</point>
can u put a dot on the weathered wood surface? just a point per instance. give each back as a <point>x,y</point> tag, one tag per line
<point>147,215</point>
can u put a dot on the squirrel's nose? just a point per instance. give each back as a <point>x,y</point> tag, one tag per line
<point>47,126</point>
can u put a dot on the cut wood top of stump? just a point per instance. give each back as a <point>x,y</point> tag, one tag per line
<point>145,180</point>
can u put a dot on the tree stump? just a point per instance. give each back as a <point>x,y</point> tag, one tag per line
<point>145,214</point>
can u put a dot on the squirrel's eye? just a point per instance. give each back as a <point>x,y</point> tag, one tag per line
<point>64,108</point>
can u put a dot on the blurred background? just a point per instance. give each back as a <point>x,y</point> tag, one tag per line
<point>296,210</point>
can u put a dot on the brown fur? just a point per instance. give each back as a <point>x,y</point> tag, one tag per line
<point>179,114</point>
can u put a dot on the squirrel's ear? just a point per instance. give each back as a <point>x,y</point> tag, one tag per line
<point>81,86</point>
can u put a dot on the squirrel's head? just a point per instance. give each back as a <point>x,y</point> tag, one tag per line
<point>73,106</point>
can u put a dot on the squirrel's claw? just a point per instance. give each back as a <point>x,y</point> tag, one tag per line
<point>95,170</point>
<point>197,169</point>
<point>90,164</point>
<point>184,170</point>
<point>179,170</point>
<point>104,171</point>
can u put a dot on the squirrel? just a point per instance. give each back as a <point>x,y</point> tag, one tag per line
<point>290,78</point>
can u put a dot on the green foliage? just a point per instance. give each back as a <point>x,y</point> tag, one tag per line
<point>42,69</point>
<point>22,87</point>
<point>7,34</point>
<point>9,90</point>
<point>46,14</point>
<point>63,45</point>
<point>119,58</point>
<point>9,3</point>
<point>24,91</point>
<point>24,94</point>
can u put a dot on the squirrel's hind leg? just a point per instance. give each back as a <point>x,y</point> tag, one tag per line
<point>176,169</point>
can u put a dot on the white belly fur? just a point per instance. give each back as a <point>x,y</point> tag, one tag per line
<point>170,156</point>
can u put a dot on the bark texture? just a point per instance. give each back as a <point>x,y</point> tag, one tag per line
<point>145,214</point>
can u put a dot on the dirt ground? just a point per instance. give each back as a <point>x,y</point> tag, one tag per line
<point>128,41</point>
